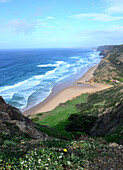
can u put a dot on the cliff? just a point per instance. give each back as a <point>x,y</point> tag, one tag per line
<point>111,66</point>
<point>106,47</point>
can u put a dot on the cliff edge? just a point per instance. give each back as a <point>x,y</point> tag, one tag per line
<point>12,121</point>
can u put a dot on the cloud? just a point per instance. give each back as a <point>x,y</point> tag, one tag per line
<point>19,26</point>
<point>66,27</point>
<point>115,9</point>
<point>45,20</point>
<point>113,35</point>
<point>4,1</point>
<point>50,17</point>
<point>114,6</point>
<point>25,26</point>
<point>111,7</point>
<point>96,16</point>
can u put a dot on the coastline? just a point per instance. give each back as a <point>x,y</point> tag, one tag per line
<point>81,86</point>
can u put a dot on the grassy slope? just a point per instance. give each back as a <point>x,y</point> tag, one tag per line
<point>79,114</point>
<point>58,118</point>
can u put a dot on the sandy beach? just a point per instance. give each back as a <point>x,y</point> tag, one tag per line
<point>81,86</point>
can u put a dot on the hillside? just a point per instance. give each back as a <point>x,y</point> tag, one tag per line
<point>100,115</point>
<point>111,66</point>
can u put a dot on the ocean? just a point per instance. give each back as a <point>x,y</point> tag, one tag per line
<point>27,76</point>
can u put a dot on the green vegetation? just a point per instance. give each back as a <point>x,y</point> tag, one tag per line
<point>51,154</point>
<point>79,115</point>
<point>58,118</point>
<point>115,135</point>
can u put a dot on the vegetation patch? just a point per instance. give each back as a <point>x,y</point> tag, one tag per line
<point>58,118</point>
<point>52,154</point>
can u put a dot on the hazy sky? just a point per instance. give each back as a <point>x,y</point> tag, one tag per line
<point>60,23</point>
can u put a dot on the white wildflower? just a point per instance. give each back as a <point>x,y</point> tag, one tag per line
<point>22,162</point>
<point>39,161</point>
<point>60,156</point>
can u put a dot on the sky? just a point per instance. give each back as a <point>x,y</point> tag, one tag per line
<point>60,23</point>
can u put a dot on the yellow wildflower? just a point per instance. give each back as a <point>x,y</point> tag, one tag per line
<point>65,150</point>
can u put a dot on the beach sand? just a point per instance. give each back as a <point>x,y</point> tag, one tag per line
<point>81,86</point>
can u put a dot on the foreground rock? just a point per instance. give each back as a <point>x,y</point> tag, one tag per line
<point>12,116</point>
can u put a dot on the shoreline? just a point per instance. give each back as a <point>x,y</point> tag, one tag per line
<point>76,88</point>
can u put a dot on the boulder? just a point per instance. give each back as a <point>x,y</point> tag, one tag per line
<point>14,113</point>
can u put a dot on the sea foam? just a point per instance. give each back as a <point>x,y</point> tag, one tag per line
<point>40,73</point>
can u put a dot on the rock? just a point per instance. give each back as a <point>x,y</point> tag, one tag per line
<point>4,116</point>
<point>29,129</point>
<point>13,115</point>
<point>113,144</point>
<point>2,126</point>
<point>13,112</point>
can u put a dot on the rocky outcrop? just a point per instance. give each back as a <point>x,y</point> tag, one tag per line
<point>14,117</point>
<point>4,116</point>
<point>11,111</point>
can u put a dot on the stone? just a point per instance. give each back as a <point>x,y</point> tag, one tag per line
<point>13,115</point>
<point>113,144</point>
<point>4,116</point>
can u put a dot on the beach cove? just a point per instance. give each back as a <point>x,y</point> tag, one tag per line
<point>81,86</point>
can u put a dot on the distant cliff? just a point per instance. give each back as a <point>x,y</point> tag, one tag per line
<point>106,47</point>
<point>111,66</point>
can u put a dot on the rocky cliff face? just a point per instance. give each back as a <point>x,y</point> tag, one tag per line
<point>12,116</point>
<point>111,66</point>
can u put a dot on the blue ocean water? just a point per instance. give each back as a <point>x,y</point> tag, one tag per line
<point>27,76</point>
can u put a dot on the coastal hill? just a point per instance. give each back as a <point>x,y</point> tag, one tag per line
<point>106,47</point>
<point>111,66</point>
<point>89,136</point>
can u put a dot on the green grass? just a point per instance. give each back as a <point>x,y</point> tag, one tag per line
<point>58,118</point>
<point>120,79</point>
<point>78,116</point>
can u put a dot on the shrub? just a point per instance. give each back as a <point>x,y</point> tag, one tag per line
<point>80,123</point>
